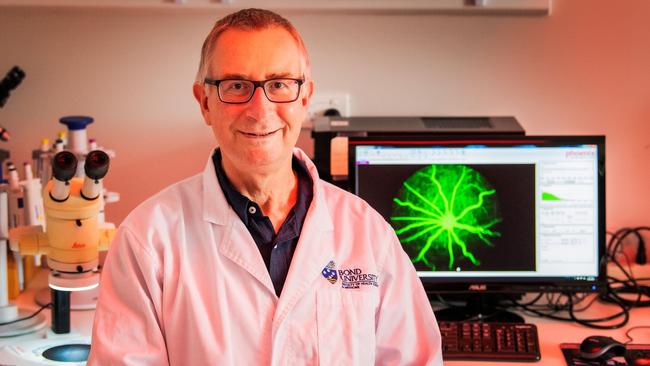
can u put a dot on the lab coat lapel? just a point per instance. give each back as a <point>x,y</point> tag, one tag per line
<point>232,238</point>
<point>314,250</point>
<point>239,247</point>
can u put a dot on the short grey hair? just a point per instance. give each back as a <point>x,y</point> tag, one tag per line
<point>247,20</point>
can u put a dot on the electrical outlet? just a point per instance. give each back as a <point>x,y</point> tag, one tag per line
<point>324,101</point>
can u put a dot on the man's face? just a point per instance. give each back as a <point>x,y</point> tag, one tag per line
<point>258,135</point>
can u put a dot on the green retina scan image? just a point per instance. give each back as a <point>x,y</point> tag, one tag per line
<point>445,211</point>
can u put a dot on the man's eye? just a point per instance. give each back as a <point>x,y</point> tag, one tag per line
<point>235,87</point>
<point>276,85</point>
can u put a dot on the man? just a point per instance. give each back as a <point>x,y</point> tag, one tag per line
<point>256,261</point>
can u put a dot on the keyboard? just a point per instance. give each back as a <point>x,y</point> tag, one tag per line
<point>477,341</point>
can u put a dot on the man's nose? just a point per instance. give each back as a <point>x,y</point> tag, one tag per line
<point>259,103</point>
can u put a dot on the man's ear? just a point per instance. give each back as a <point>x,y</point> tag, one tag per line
<point>202,98</point>
<point>308,91</point>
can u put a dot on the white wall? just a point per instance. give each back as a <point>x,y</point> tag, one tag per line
<point>584,69</point>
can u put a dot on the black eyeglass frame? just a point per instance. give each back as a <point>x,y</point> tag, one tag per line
<point>256,84</point>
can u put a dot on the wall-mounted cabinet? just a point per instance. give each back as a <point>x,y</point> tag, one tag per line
<point>512,7</point>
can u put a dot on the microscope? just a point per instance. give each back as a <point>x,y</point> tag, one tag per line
<point>64,221</point>
<point>71,238</point>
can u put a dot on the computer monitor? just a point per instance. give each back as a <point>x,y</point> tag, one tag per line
<point>490,214</point>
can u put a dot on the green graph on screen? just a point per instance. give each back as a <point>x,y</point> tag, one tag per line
<point>547,196</point>
<point>445,211</point>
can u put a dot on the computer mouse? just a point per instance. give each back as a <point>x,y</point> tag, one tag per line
<point>601,347</point>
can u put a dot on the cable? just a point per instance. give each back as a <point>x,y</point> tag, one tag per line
<point>592,323</point>
<point>558,307</point>
<point>617,290</point>
<point>640,252</point>
<point>629,284</point>
<point>27,317</point>
<point>626,293</point>
<point>555,305</point>
<point>585,307</point>
<point>627,332</point>
<point>617,239</point>
<point>533,301</point>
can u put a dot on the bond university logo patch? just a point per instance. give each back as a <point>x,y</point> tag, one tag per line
<point>354,278</point>
<point>329,272</point>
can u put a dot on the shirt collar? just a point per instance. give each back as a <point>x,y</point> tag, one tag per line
<point>241,204</point>
<point>216,210</point>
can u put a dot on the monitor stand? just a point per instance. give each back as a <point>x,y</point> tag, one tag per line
<point>480,307</point>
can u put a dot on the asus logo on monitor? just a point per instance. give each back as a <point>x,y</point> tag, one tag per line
<point>478,287</point>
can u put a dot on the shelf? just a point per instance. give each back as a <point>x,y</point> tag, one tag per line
<point>512,7</point>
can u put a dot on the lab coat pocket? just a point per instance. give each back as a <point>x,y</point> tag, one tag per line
<point>346,327</point>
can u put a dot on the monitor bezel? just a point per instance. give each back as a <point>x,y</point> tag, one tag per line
<point>501,284</point>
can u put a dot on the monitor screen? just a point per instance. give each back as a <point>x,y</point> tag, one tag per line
<point>491,214</point>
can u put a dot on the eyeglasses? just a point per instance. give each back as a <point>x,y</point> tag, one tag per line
<point>238,91</point>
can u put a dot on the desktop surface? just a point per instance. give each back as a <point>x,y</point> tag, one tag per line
<point>551,333</point>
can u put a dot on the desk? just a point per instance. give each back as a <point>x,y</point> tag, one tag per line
<point>551,332</point>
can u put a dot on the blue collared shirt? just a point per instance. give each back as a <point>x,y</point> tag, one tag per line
<point>276,249</point>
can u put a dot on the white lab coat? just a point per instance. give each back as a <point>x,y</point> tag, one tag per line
<point>185,284</point>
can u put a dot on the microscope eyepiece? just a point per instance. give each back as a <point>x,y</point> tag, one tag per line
<point>64,166</point>
<point>96,165</point>
<point>14,77</point>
